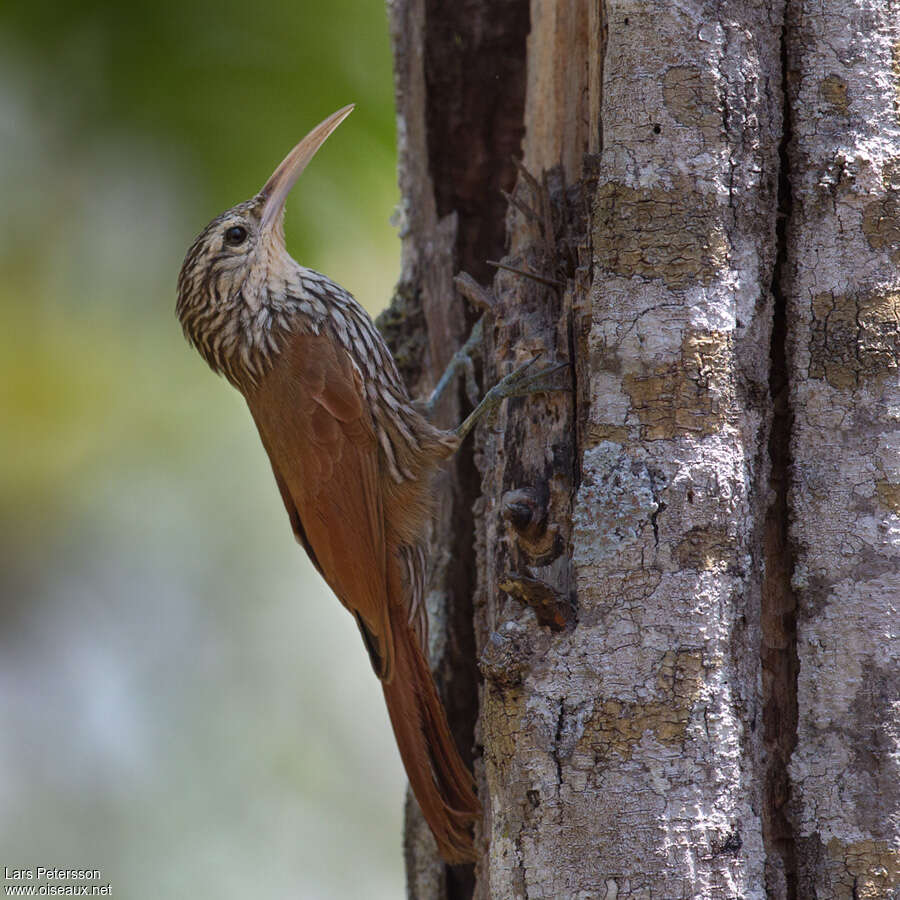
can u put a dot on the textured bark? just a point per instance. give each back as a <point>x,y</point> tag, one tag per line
<point>677,578</point>
<point>625,758</point>
<point>844,326</point>
<point>455,145</point>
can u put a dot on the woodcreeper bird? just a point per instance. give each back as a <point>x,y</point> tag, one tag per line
<point>351,454</point>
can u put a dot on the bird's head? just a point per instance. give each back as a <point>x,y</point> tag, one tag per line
<point>229,270</point>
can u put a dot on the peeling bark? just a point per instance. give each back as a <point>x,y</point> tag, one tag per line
<point>667,596</point>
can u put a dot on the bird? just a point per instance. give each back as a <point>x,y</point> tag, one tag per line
<point>352,456</point>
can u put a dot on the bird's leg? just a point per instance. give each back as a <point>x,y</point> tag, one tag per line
<point>481,298</point>
<point>520,382</point>
<point>462,360</point>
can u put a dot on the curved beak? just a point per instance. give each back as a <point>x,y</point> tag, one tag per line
<point>276,189</point>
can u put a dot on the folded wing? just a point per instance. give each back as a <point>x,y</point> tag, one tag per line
<point>320,440</point>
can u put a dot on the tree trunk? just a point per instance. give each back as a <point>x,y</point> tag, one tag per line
<point>843,318</point>
<point>661,602</point>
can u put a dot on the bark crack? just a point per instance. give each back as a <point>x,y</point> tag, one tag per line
<point>779,602</point>
<point>560,721</point>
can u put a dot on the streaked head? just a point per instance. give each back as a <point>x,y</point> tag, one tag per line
<point>222,286</point>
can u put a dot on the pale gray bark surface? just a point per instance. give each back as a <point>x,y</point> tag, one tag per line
<point>626,761</point>
<point>678,580</point>
<point>844,326</point>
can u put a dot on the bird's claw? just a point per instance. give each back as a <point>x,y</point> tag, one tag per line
<point>519,383</point>
<point>523,380</point>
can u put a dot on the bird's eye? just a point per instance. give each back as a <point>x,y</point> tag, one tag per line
<point>236,235</point>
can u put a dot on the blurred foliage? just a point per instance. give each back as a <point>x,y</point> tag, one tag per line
<point>224,87</point>
<point>172,711</point>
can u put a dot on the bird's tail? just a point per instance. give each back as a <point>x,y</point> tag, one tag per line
<point>439,778</point>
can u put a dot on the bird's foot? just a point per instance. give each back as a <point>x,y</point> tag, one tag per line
<point>521,382</point>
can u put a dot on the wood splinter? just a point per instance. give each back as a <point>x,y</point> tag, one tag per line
<point>526,273</point>
<point>552,609</point>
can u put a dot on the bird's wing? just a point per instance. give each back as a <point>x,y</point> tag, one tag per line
<point>318,432</point>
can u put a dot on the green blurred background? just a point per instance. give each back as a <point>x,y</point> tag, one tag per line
<point>183,704</point>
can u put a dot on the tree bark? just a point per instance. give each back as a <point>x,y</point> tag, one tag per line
<point>844,340</point>
<point>662,601</point>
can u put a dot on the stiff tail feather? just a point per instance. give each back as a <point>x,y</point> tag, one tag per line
<point>439,778</point>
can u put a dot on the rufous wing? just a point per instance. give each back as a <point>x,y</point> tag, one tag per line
<point>318,432</point>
